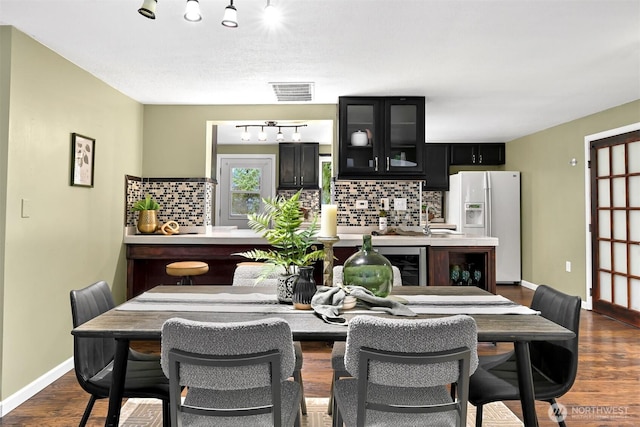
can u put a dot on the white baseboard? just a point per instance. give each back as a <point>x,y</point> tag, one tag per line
<point>533,286</point>
<point>28,391</point>
<point>528,285</point>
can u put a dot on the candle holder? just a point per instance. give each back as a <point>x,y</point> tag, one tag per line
<point>327,272</point>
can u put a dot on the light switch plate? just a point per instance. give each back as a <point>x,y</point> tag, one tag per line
<point>26,208</point>
<point>400,204</point>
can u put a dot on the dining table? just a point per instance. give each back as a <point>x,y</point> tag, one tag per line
<point>141,318</point>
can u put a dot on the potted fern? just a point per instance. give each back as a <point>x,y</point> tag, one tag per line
<point>280,223</point>
<point>147,209</point>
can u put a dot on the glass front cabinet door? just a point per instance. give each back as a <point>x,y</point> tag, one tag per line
<point>382,137</point>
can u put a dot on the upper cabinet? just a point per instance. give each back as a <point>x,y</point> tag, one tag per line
<point>381,137</point>
<point>436,165</point>
<point>298,164</point>
<point>478,154</point>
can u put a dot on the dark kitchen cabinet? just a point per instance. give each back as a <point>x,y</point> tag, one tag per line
<point>478,154</point>
<point>463,266</point>
<point>436,167</point>
<point>381,137</point>
<point>298,164</point>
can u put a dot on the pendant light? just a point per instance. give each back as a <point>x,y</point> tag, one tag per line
<point>148,9</point>
<point>296,137</point>
<point>230,18</point>
<point>262,136</point>
<point>246,136</point>
<point>279,135</point>
<point>192,11</point>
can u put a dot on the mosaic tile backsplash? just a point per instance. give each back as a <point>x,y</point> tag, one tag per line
<point>188,201</point>
<point>346,193</point>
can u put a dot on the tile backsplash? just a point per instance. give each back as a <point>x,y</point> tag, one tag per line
<point>189,201</point>
<point>345,194</point>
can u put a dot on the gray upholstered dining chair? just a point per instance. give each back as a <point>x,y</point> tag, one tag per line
<point>250,273</point>
<point>554,364</point>
<point>401,369</point>
<point>93,357</point>
<point>235,373</point>
<point>337,353</point>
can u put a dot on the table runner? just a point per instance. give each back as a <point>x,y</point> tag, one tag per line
<point>268,303</point>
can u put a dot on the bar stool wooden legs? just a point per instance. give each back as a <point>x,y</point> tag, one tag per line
<point>186,270</point>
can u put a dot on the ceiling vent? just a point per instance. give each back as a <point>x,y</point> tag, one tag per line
<point>288,92</point>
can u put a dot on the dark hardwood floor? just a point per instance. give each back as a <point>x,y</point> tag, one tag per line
<point>606,392</point>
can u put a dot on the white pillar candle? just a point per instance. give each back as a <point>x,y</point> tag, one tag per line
<point>329,221</point>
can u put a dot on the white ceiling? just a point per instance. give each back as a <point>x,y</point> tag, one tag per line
<point>491,70</point>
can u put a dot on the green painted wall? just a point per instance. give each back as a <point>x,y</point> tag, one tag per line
<point>175,136</point>
<point>73,236</point>
<point>553,197</point>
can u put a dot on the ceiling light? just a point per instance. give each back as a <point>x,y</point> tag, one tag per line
<point>148,9</point>
<point>271,14</point>
<point>262,136</point>
<point>246,136</point>
<point>192,11</point>
<point>296,137</point>
<point>230,18</point>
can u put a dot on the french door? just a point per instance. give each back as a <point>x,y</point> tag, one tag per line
<point>615,226</point>
<point>243,181</point>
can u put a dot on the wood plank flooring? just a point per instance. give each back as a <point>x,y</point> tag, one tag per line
<point>606,392</point>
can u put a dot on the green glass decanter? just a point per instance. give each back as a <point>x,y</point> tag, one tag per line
<point>369,269</point>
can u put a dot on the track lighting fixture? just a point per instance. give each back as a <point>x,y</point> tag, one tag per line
<point>262,135</point>
<point>192,11</point>
<point>230,18</point>
<point>148,9</point>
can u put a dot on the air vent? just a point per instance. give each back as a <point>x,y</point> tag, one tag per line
<point>287,92</point>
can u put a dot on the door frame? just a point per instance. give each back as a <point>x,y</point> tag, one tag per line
<point>588,304</point>
<point>221,157</point>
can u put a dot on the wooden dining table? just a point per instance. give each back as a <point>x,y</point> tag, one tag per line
<point>125,325</point>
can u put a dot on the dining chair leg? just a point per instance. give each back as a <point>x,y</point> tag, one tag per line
<point>554,405</point>
<point>166,413</point>
<point>297,376</point>
<point>479,416</point>
<point>87,411</point>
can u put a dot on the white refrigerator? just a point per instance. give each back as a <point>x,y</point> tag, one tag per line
<point>488,204</point>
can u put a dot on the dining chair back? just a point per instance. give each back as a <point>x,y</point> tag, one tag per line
<point>235,372</point>
<point>93,357</point>
<point>251,273</point>
<point>401,369</point>
<point>554,363</point>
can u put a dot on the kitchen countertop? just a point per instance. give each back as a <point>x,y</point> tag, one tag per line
<point>349,236</point>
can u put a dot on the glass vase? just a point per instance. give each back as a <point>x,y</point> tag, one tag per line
<point>304,289</point>
<point>369,269</point>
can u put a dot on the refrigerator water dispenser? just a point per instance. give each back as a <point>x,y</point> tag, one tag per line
<point>474,215</point>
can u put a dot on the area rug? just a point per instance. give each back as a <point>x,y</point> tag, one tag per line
<point>148,413</point>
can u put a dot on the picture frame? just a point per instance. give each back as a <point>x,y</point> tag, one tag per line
<point>83,153</point>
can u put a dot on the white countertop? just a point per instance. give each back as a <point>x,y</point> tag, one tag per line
<point>235,236</point>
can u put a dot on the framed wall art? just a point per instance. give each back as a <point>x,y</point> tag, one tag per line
<point>82,160</point>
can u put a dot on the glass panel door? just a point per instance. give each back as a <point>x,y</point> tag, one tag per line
<point>359,137</point>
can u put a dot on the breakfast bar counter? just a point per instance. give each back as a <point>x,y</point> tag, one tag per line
<point>148,254</point>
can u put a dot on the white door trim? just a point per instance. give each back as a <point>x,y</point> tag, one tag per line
<point>587,191</point>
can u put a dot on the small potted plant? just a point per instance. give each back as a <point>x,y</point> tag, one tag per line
<point>147,209</point>
<point>280,223</point>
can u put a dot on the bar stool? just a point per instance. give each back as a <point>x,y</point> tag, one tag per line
<point>186,270</point>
